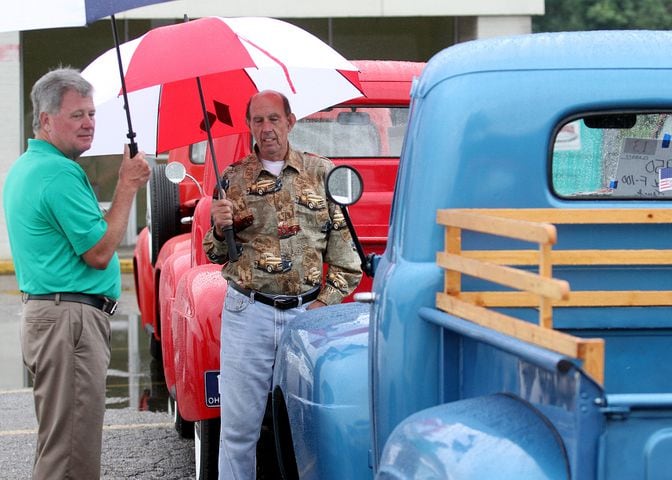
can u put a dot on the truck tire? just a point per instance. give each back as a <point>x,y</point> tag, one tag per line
<point>206,448</point>
<point>284,445</point>
<point>267,457</point>
<point>184,428</point>
<point>155,349</point>
<point>163,205</point>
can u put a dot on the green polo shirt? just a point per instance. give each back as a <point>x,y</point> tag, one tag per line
<point>53,218</point>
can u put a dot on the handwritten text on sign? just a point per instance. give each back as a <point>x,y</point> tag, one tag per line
<point>638,167</point>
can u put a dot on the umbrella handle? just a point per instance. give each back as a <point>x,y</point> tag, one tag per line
<point>231,243</point>
<point>133,148</point>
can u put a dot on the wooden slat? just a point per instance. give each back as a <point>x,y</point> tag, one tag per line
<point>574,257</point>
<point>510,277</point>
<point>592,298</point>
<point>525,331</point>
<point>453,279</point>
<point>528,332</point>
<point>591,351</point>
<point>494,225</point>
<point>579,215</point>
<point>546,272</point>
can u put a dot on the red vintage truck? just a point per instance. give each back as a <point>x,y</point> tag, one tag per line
<point>180,293</point>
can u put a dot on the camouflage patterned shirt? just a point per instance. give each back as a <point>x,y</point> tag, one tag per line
<point>288,229</point>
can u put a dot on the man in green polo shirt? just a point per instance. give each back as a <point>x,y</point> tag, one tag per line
<point>64,253</point>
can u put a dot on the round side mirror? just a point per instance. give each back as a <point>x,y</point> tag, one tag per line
<point>175,172</point>
<point>344,185</point>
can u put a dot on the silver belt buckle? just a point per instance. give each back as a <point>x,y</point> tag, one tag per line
<point>282,300</point>
<point>110,306</point>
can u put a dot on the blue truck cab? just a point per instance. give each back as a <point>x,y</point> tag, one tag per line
<point>520,321</point>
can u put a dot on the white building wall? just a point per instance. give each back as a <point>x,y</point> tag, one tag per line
<point>341,8</point>
<point>10,124</point>
<point>491,26</point>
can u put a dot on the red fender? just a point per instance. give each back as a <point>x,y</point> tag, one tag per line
<point>196,323</point>
<point>172,245</point>
<point>173,269</point>
<point>143,276</point>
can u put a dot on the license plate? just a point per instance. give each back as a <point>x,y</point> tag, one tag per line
<point>212,389</point>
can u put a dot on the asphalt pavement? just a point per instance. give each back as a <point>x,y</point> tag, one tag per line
<point>136,444</point>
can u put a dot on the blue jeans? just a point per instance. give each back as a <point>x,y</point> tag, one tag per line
<point>249,339</point>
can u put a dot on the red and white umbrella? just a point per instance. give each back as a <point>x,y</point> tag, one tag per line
<point>232,58</point>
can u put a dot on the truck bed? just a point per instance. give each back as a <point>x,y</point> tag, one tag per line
<point>513,325</point>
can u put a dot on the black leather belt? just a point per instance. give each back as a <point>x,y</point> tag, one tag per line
<point>100,302</point>
<point>281,302</point>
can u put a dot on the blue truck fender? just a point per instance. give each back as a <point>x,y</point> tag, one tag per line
<point>320,394</point>
<point>497,436</point>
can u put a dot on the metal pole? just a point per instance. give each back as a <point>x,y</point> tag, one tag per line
<point>228,231</point>
<point>131,134</point>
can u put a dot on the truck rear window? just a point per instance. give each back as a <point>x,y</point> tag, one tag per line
<point>614,156</point>
<point>347,132</point>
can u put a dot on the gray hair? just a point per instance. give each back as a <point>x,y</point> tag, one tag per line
<point>48,91</point>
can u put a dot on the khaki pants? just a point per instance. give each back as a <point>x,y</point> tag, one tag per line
<point>66,347</point>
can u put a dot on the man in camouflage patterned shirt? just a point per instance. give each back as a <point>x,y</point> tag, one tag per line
<point>277,204</point>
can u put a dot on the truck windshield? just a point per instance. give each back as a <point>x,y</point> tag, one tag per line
<point>347,132</point>
<point>614,156</point>
<point>343,132</point>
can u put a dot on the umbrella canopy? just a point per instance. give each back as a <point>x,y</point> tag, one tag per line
<point>39,14</point>
<point>232,58</point>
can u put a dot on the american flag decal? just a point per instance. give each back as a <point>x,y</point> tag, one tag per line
<point>665,179</point>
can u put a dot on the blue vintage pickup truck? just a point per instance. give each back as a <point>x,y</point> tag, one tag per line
<point>520,322</point>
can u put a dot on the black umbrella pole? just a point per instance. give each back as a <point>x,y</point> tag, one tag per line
<point>228,230</point>
<point>133,147</point>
